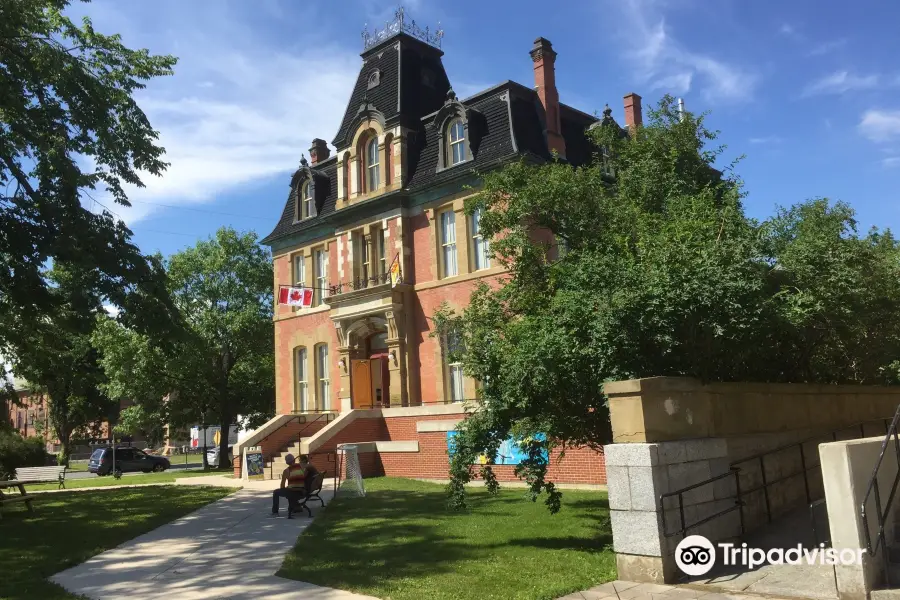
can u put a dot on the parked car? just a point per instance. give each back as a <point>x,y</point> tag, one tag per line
<point>212,456</point>
<point>127,460</point>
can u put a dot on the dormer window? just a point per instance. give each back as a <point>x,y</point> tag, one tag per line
<point>457,140</point>
<point>373,179</point>
<point>306,201</point>
<point>374,79</point>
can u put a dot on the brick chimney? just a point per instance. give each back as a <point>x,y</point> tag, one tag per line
<point>319,151</point>
<point>633,115</point>
<point>545,85</point>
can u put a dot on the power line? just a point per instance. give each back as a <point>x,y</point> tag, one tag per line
<point>203,210</point>
<point>115,214</point>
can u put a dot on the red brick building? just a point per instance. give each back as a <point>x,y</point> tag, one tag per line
<point>29,416</point>
<point>407,156</point>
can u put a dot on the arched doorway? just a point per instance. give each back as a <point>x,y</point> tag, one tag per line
<point>369,373</point>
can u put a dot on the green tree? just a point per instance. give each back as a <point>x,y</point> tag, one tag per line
<point>69,124</point>
<point>221,362</point>
<point>55,354</point>
<point>658,272</point>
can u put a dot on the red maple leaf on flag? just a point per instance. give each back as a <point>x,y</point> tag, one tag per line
<point>295,295</point>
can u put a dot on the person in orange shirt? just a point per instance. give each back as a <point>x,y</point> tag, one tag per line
<point>294,482</point>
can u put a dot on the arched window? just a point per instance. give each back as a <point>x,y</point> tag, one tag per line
<point>388,159</point>
<point>345,174</point>
<point>301,371</point>
<point>373,176</point>
<point>457,142</point>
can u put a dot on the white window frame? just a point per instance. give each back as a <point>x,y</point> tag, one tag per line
<point>301,377</point>
<point>457,385</point>
<point>457,142</point>
<point>307,200</point>
<point>381,250</point>
<point>480,246</point>
<point>372,165</point>
<point>323,384</point>
<point>320,268</point>
<point>447,225</point>
<point>454,370</point>
<point>299,270</point>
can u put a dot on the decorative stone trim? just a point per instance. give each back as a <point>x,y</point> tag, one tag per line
<point>435,426</point>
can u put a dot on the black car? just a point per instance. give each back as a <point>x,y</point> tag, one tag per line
<point>127,459</point>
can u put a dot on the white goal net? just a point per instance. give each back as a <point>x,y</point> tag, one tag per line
<point>353,482</point>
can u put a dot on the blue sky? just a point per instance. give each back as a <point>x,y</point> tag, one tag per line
<point>808,90</point>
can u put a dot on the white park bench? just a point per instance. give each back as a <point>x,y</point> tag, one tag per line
<point>42,475</point>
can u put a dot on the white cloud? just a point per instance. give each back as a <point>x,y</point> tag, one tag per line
<point>826,47</point>
<point>769,140</point>
<point>880,125</point>
<point>891,162</point>
<point>238,109</point>
<point>841,82</point>
<point>787,29</point>
<point>663,62</point>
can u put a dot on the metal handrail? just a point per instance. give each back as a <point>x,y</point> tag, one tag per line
<point>327,416</point>
<point>881,513</point>
<point>319,414</point>
<point>735,471</point>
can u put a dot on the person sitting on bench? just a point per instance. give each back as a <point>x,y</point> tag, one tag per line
<point>294,481</point>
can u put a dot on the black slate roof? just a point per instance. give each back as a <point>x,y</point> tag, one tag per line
<point>408,96</point>
<point>505,124</point>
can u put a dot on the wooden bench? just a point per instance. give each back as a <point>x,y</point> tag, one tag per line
<point>312,493</point>
<point>42,475</point>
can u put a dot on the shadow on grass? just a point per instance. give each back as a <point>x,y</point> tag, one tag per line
<point>400,542</point>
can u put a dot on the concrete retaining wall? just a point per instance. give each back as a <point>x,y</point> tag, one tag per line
<point>847,468</point>
<point>666,417</point>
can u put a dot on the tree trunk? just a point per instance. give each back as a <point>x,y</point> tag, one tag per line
<point>225,420</point>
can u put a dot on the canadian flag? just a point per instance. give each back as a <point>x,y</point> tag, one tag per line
<point>293,296</point>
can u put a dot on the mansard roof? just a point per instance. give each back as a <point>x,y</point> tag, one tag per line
<point>411,82</point>
<point>506,123</point>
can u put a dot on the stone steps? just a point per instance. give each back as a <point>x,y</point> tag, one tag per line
<point>278,464</point>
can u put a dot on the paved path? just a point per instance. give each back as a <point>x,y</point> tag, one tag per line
<point>228,550</point>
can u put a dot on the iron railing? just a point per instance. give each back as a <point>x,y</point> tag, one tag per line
<point>296,414</point>
<point>873,489</point>
<point>740,496</point>
<point>738,505</point>
<point>359,284</point>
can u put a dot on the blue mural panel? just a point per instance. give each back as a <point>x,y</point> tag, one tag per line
<point>510,451</point>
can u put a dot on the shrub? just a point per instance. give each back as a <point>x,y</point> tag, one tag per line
<point>16,451</point>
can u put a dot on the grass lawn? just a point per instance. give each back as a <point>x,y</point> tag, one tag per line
<point>78,466</point>
<point>109,480</point>
<point>68,528</point>
<point>401,542</point>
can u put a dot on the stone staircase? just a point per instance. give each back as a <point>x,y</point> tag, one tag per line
<point>277,465</point>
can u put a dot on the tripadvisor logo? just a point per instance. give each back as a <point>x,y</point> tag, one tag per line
<point>695,555</point>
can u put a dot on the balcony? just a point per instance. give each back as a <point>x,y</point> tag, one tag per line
<point>366,296</point>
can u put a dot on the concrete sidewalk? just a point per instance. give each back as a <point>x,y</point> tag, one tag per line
<point>228,550</point>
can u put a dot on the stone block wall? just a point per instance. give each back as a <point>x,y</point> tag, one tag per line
<point>672,432</point>
<point>638,475</point>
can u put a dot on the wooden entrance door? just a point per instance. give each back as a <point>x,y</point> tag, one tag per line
<point>361,384</point>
